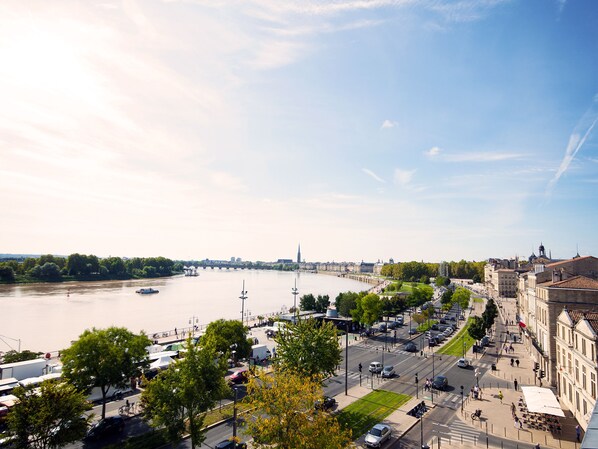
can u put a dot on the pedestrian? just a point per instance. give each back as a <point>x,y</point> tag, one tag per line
<point>176,333</point>
<point>500,396</point>
<point>537,446</point>
<point>512,361</point>
<point>511,348</point>
<point>578,433</point>
<point>515,384</point>
<point>517,363</point>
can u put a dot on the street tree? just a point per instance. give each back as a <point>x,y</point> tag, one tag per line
<point>286,416</point>
<point>368,309</point>
<point>476,328</point>
<point>49,417</point>
<point>308,347</point>
<point>223,335</point>
<point>178,398</point>
<point>322,303</point>
<point>105,358</point>
<point>15,356</point>
<point>462,297</point>
<point>307,302</point>
<point>345,302</point>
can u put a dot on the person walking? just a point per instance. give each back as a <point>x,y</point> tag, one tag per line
<point>517,363</point>
<point>578,433</point>
<point>500,395</point>
<point>515,384</point>
<point>512,361</point>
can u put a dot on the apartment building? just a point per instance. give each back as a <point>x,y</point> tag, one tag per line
<point>576,343</point>
<point>541,296</point>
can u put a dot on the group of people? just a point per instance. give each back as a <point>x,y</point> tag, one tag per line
<point>514,362</point>
<point>518,423</point>
<point>476,392</point>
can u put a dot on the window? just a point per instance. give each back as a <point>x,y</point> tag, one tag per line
<point>593,385</point>
<point>583,377</point>
<point>576,370</point>
<point>585,407</point>
<point>577,400</point>
<point>583,346</point>
<point>569,366</point>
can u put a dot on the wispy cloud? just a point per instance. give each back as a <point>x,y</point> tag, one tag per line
<point>577,139</point>
<point>432,152</point>
<point>403,177</point>
<point>388,124</point>
<point>373,175</point>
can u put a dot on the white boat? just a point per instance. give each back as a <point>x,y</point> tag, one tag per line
<point>147,291</point>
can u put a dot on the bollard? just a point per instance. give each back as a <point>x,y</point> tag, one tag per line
<point>486,442</point>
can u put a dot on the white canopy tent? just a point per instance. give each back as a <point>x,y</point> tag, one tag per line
<point>542,400</point>
<point>162,362</point>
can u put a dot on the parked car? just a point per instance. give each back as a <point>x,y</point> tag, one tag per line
<point>392,324</point>
<point>462,363</point>
<point>412,331</point>
<point>410,347</point>
<point>377,435</point>
<point>400,320</point>
<point>440,382</point>
<point>388,371</point>
<point>104,427</point>
<point>239,377</point>
<point>375,367</point>
<point>229,444</point>
<point>382,327</point>
<point>326,403</point>
<point>485,341</point>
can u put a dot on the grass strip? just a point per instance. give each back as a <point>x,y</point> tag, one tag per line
<point>455,347</point>
<point>362,414</point>
<point>478,299</point>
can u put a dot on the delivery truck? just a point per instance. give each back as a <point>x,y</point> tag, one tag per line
<point>23,370</point>
<point>259,353</point>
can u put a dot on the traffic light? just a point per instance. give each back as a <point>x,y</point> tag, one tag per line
<point>536,366</point>
<point>416,379</point>
<point>541,376</point>
<point>360,367</point>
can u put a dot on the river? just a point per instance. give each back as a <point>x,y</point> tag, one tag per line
<point>47,317</point>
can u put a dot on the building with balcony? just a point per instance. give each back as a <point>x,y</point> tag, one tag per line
<point>576,343</point>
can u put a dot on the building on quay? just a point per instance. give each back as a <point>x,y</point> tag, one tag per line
<point>542,294</point>
<point>576,343</point>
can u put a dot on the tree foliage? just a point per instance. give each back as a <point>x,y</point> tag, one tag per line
<point>476,328</point>
<point>14,356</point>
<point>222,334</point>
<point>368,309</point>
<point>461,296</point>
<point>308,347</point>
<point>307,302</point>
<point>420,295</point>
<point>179,397</point>
<point>286,417</point>
<point>104,358</point>
<point>347,301</point>
<point>50,417</point>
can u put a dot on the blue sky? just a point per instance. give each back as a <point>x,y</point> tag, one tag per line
<point>364,130</point>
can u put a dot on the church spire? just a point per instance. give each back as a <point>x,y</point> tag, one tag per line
<point>299,253</point>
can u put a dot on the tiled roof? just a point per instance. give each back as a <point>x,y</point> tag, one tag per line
<point>592,317</point>
<point>563,262</point>
<point>580,282</point>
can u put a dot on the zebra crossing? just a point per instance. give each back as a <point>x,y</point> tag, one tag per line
<point>456,432</point>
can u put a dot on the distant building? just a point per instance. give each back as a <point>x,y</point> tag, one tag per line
<point>284,261</point>
<point>366,267</point>
<point>576,362</point>
<point>443,269</point>
<point>299,254</point>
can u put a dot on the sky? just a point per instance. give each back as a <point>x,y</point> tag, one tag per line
<point>362,130</point>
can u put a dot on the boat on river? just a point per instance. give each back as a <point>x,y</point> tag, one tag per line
<point>147,291</point>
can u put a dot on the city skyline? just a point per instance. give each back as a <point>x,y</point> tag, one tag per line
<point>364,130</point>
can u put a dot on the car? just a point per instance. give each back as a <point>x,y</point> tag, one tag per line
<point>392,324</point>
<point>400,320</point>
<point>462,363</point>
<point>442,321</point>
<point>326,403</point>
<point>485,341</point>
<point>104,427</point>
<point>440,383</point>
<point>434,327</point>
<point>388,371</point>
<point>377,435</point>
<point>230,444</point>
<point>239,377</point>
<point>412,331</point>
<point>410,347</point>
<point>382,327</point>
<point>375,367</point>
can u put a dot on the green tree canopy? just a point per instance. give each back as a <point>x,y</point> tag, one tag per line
<point>179,397</point>
<point>308,347</point>
<point>322,303</point>
<point>368,309</point>
<point>50,417</point>
<point>14,356</point>
<point>105,358</point>
<point>222,334</point>
<point>477,328</point>
<point>462,297</point>
<point>345,302</point>
<point>307,302</point>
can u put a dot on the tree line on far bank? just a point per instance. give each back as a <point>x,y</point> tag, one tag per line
<point>416,271</point>
<point>50,268</point>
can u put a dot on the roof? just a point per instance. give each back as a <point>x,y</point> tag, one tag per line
<point>575,282</point>
<point>564,262</point>
<point>591,317</point>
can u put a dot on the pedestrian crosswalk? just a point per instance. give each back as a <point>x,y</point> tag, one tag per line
<point>456,432</point>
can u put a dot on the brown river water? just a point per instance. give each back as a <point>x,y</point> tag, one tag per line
<point>47,317</point>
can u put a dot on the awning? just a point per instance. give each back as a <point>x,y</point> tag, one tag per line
<point>162,362</point>
<point>541,400</point>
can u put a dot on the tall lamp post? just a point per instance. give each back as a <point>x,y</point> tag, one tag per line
<point>295,293</point>
<point>235,417</point>
<point>461,398</point>
<point>243,297</point>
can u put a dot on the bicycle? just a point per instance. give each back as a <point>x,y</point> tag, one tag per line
<point>127,409</point>
<point>476,415</point>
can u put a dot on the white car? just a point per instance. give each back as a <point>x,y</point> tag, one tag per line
<point>375,367</point>
<point>462,363</point>
<point>377,435</point>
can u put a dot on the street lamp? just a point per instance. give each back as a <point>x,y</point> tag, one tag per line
<point>295,293</point>
<point>235,417</point>
<point>243,297</point>
<point>461,398</point>
<point>416,387</point>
